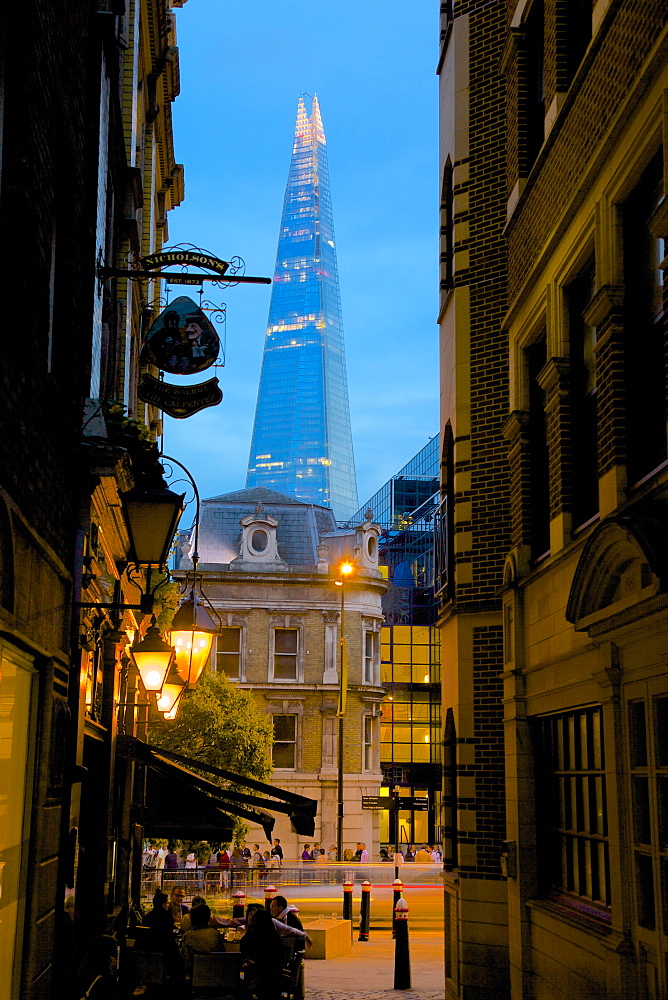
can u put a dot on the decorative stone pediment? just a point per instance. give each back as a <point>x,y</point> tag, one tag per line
<point>624,563</point>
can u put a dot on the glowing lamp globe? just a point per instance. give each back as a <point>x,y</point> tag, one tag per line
<point>152,657</point>
<point>191,636</point>
<point>170,695</point>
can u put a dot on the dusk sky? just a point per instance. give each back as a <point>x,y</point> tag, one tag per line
<point>372,65</point>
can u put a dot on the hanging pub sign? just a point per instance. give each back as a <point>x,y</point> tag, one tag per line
<point>179,401</point>
<point>199,258</point>
<point>182,340</point>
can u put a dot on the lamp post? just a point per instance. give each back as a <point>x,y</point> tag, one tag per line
<point>193,628</point>
<point>346,569</point>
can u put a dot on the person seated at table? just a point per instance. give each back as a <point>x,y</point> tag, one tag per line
<point>186,919</point>
<point>322,857</point>
<point>98,976</point>
<point>160,921</point>
<point>281,910</point>
<point>160,935</point>
<point>263,957</point>
<point>201,938</point>
<point>282,928</point>
<point>177,907</point>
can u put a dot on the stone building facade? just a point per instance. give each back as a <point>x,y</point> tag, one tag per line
<point>575,638</point>
<point>268,563</point>
<point>584,606</point>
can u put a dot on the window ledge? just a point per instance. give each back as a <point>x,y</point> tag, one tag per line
<point>598,926</point>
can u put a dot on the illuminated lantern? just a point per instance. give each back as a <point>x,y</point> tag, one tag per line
<point>191,636</point>
<point>152,657</point>
<point>170,696</point>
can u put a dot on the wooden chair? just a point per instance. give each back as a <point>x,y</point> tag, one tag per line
<point>216,974</point>
<point>149,966</point>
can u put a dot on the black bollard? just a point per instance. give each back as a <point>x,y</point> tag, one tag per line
<point>269,893</point>
<point>365,912</point>
<point>238,904</point>
<point>398,888</point>
<point>402,954</point>
<point>348,905</point>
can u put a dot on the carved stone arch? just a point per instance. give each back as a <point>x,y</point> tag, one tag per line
<point>510,571</point>
<point>624,561</point>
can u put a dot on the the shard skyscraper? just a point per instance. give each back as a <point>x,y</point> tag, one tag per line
<point>302,442</point>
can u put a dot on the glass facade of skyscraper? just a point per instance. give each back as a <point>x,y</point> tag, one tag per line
<point>410,724</point>
<point>302,441</point>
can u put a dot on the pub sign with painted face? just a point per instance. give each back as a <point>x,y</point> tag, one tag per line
<point>182,340</point>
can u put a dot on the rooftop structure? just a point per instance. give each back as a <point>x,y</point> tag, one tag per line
<point>302,441</point>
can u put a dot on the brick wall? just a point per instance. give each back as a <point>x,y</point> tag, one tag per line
<point>489,749</point>
<point>46,174</point>
<point>486,279</point>
<point>606,74</point>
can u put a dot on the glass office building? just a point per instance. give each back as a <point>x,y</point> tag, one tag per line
<point>410,724</point>
<point>302,442</point>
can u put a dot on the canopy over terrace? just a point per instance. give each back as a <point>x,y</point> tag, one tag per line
<point>180,803</point>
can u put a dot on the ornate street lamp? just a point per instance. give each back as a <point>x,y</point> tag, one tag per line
<point>151,515</point>
<point>193,628</point>
<point>152,658</point>
<point>169,698</point>
<point>191,635</point>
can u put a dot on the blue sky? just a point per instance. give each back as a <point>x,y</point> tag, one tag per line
<point>372,64</point>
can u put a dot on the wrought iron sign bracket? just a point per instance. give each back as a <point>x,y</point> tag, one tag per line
<point>179,279</point>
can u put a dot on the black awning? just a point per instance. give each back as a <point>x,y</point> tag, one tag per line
<point>299,808</point>
<point>175,809</point>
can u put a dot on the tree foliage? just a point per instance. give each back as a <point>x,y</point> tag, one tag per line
<point>219,724</point>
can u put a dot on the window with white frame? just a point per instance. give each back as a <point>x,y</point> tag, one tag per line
<point>368,743</point>
<point>284,752</point>
<point>370,656</point>
<point>286,654</point>
<point>228,652</point>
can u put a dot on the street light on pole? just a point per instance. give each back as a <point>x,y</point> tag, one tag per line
<point>345,569</point>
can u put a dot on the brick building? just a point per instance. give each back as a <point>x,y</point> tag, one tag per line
<point>87,173</point>
<point>579,503</point>
<point>472,527</point>
<point>268,563</point>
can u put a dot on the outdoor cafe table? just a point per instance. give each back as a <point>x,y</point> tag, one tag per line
<point>331,938</point>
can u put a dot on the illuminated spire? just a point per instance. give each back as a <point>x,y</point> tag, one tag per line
<point>302,442</point>
<point>316,120</point>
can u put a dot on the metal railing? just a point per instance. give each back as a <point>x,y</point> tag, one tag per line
<point>212,883</point>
